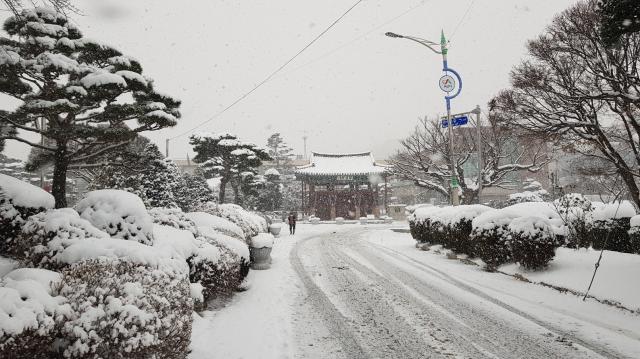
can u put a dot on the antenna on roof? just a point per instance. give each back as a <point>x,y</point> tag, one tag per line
<point>304,138</point>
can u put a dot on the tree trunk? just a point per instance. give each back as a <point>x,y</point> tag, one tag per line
<point>632,186</point>
<point>236,194</point>
<point>223,188</point>
<point>59,186</point>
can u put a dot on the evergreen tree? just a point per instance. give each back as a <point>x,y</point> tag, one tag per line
<point>226,157</point>
<point>92,97</point>
<point>194,192</point>
<point>270,197</point>
<point>279,151</point>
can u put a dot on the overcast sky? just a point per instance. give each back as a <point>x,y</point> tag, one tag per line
<point>353,90</point>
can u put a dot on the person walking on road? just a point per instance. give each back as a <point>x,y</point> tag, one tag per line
<point>292,223</point>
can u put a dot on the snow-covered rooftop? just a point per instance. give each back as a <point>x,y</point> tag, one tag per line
<point>326,164</point>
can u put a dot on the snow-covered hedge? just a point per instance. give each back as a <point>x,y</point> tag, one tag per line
<point>215,223</point>
<point>49,233</point>
<point>121,309</point>
<point>173,217</point>
<point>18,201</point>
<point>527,196</point>
<point>634,234</point>
<point>492,235</point>
<point>216,268</point>
<point>449,226</point>
<point>119,213</point>
<point>250,223</point>
<point>533,242</point>
<point>575,209</point>
<point>609,226</point>
<point>29,313</point>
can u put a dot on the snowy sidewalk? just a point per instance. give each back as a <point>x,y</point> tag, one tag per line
<point>257,322</point>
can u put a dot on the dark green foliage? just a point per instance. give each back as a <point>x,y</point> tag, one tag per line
<point>535,248</point>
<point>493,245</point>
<point>234,161</point>
<point>615,232</point>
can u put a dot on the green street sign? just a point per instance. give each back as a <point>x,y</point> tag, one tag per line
<point>454,182</point>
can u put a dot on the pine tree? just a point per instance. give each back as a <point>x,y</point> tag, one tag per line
<point>270,197</point>
<point>279,151</point>
<point>194,192</point>
<point>89,94</point>
<point>226,157</point>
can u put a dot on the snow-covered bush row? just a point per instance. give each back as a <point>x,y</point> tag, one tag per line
<point>18,201</point>
<point>119,213</point>
<point>30,313</point>
<point>634,234</point>
<point>250,223</point>
<point>216,268</point>
<point>173,217</point>
<point>213,263</point>
<point>449,226</point>
<point>121,309</point>
<point>215,223</point>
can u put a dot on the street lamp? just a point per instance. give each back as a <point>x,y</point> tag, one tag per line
<point>447,84</point>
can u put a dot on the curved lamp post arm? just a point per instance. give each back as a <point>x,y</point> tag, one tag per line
<point>426,43</point>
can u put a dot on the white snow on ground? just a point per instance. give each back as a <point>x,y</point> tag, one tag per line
<point>257,322</point>
<point>573,269</point>
<point>614,328</point>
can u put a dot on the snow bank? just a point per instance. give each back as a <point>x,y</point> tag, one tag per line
<point>23,194</point>
<point>215,223</point>
<point>262,240</point>
<point>119,213</point>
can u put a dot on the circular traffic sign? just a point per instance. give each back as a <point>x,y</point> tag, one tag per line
<point>447,83</point>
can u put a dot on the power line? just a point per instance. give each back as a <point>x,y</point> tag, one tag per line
<point>464,16</point>
<point>245,95</point>
<point>422,3</point>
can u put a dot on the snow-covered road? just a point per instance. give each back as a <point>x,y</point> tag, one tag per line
<point>371,300</point>
<point>355,291</point>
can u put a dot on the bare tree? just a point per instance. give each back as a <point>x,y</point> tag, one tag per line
<point>574,87</point>
<point>425,159</point>
<point>61,6</point>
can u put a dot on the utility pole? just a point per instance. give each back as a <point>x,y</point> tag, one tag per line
<point>304,138</point>
<point>166,148</point>
<point>480,164</point>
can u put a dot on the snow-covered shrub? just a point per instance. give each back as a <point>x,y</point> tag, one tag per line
<point>46,234</point>
<point>250,223</point>
<point>634,234</point>
<point>216,268</point>
<point>533,243</point>
<point>575,209</point>
<point>119,213</point>
<point>609,226</point>
<point>122,309</point>
<point>236,245</point>
<point>423,226</point>
<point>173,217</point>
<point>527,196</point>
<point>491,232</point>
<point>215,223</point>
<point>29,313</point>
<point>18,201</point>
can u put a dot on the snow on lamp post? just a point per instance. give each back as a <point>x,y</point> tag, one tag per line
<point>452,85</point>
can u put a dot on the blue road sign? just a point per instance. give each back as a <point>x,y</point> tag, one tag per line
<point>458,121</point>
